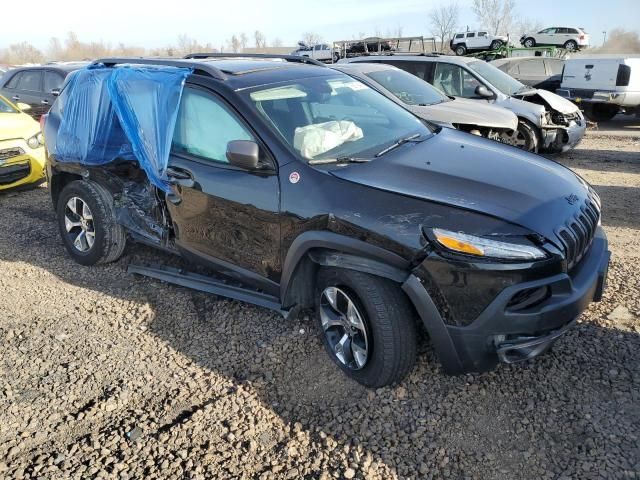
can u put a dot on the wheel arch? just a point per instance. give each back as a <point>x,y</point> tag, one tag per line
<point>314,249</point>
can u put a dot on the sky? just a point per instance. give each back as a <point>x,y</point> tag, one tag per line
<point>159,23</point>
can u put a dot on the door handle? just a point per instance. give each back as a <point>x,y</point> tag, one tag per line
<point>16,97</point>
<point>44,102</point>
<point>179,176</point>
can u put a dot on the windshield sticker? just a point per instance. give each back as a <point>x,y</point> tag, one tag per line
<point>351,84</point>
<point>294,177</point>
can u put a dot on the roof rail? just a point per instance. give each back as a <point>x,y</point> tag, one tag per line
<point>201,68</point>
<point>288,58</point>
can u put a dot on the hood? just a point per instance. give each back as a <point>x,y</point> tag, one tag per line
<point>467,112</point>
<point>480,175</point>
<point>554,101</point>
<point>17,125</point>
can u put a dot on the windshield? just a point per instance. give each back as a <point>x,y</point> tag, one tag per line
<point>496,77</point>
<point>407,87</point>
<point>334,117</point>
<point>5,107</point>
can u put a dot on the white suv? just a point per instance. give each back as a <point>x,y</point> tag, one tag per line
<point>571,38</point>
<point>464,42</point>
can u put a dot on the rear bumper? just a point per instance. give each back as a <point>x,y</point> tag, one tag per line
<point>623,99</point>
<point>502,335</point>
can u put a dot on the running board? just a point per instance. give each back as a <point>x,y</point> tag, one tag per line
<point>209,285</point>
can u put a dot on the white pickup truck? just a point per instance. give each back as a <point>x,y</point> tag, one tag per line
<point>604,85</point>
<point>319,51</point>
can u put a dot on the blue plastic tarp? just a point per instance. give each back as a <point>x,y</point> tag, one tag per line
<point>127,112</point>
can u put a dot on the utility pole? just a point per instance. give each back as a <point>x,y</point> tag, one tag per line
<point>604,37</point>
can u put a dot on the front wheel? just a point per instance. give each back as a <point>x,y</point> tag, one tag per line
<point>525,137</point>
<point>571,45</point>
<point>367,326</point>
<point>461,50</point>
<point>529,42</point>
<point>496,44</point>
<point>86,219</point>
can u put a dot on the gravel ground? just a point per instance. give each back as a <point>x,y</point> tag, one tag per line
<point>106,375</point>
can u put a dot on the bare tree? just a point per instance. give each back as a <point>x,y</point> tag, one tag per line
<point>234,44</point>
<point>526,25</point>
<point>22,52</point>
<point>276,42</point>
<point>260,39</point>
<point>311,38</point>
<point>444,21</point>
<point>498,16</point>
<point>244,41</point>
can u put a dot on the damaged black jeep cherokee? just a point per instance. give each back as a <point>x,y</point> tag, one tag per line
<point>304,188</point>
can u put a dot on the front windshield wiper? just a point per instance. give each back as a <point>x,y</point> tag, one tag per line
<point>399,142</point>
<point>326,161</point>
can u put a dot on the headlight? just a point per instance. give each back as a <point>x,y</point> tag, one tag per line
<point>36,141</point>
<point>484,247</point>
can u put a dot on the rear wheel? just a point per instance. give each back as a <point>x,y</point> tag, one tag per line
<point>87,223</point>
<point>496,44</point>
<point>525,137</point>
<point>529,42</point>
<point>571,45</point>
<point>367,326</point>
<point>461,50</point>
<point>600,112</point>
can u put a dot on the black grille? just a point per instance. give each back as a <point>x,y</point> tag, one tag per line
<point>7,153</point>
<point>577,233</point>
<point>12,173</point>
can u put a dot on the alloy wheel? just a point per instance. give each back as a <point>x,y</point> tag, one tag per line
<point>344,328</point>
<point>78,222</point>
<point>515,138</point>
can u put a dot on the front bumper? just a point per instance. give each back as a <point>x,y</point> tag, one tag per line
<point>500,334</point>
<point>562,139</point>
<point>19,164</point>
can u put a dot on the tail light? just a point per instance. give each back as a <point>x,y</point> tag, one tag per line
<point>624,74</point>
<point>43,119</point>
<point>581,37</point>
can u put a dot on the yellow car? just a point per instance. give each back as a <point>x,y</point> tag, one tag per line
<point>21,147</point>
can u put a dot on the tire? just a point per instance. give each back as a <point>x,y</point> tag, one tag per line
<point>387,320</point>
<point>109,238</point>
<point>601,112</point>
<point>496,44</point>
<point>336,58</point>
<point>529,42</point>
<point>571,45</point>
<point>525,137</point>
<point>461,50</point>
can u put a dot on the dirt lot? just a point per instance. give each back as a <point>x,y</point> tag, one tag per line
<point>106,375</point>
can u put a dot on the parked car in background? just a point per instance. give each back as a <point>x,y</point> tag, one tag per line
<point>465,42</point>
<point>546,122</point>
<point>571,38</point>
<point>604,85</point>
<point>429,103</point>
<point>536,72</point>
<point>36,86</point>
<point>21,147</point>
<point>311,190</point>
<point>320,51</point>
<point>368,45</point>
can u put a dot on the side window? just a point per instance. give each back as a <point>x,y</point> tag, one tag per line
<point>52,80</point>
<point>28,80</point>
<point>422,70</point>
<point>454,80</point>
<point>471,35</point>
<point>572,30</point>
<point>318,47</point>
<point>460,35</point>
<point>482,34</point>
<point>514,69</point>
<point>562,30</point>
<point>532,67</point>
<point>554,66</point>
<point>205,125</point>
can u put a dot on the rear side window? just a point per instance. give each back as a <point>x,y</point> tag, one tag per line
<point>532,67</point>
<point>624,74</point>
<point>52,80</point>
<point>28,80</point>
<point>205,126</point>
<point>422,70</point>
<point>460,35</point>
<point>482,34</point>
<point>471,35</point>
<point>572,30</point>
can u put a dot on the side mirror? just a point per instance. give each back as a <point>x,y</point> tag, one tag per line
<point>483,91</point>
<point>55,92</point>
<point>243,154</point>
<point>23,106</point>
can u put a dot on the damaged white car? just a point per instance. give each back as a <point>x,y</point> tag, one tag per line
<point>546,122</point>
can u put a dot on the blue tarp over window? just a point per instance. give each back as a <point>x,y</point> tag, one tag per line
<point>126,112</point>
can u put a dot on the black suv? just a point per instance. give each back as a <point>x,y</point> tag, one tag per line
<point>304,188</point>
<point>36,86</point>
